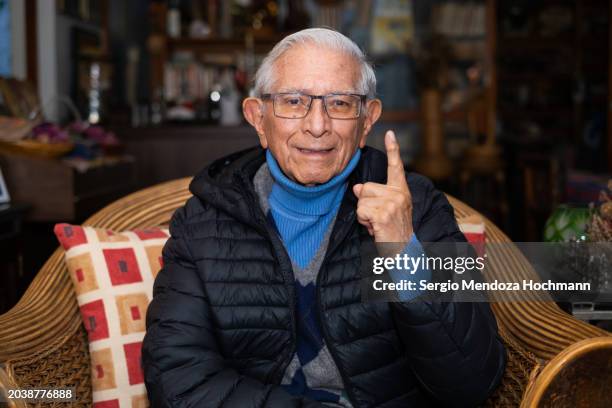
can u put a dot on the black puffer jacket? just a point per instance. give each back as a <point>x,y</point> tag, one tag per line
<point>221,325</point>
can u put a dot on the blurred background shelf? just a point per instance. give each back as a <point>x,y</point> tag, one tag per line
<point>220,45</point>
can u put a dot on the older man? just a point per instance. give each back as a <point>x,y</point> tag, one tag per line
<point>259,301</point>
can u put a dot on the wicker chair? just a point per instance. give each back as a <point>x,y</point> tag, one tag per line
<point>553,359</point>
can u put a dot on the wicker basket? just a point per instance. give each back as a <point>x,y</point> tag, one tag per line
<point>34,148</point>
<point>20,144</point>
<point>14,129</point>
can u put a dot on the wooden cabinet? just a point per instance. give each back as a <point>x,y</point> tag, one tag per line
<point>168,152</point>
<point>57,192</point>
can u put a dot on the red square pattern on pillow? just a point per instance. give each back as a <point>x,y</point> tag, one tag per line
<point>70,235</point>
<point>107,404</point>
<point>94,319</point>
<point>475,237</point>
<point>132,357</point>
<point>122,266</point>
<point>150,233</point>
<point>135,313</point>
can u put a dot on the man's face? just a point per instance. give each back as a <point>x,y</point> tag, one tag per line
<point>313,149</point>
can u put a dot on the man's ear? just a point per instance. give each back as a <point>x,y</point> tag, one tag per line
<point>253,111</point>
<point>373,111</point>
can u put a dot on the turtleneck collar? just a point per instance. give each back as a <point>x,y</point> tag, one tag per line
<point>309,201</point>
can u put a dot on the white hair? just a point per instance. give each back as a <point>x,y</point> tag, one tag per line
<point>324,37</point>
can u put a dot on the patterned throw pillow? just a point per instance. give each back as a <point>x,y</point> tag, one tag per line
<point>113,274</point>
<point>473,227</point>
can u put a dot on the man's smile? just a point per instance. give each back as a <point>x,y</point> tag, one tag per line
<point>315,151</point>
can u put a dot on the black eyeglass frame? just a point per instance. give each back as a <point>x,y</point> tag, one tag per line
<point>362,99</point>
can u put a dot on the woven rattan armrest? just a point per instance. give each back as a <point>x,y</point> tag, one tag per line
<point>42,339</point>
<point>45,315</point>
<point>539,327</point>
<point>579,376</point>
<point>6,384</point>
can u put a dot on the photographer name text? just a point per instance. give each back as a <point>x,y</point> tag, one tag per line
<point>472,285</point>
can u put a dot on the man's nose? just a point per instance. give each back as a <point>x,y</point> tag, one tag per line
<point>317,121</point>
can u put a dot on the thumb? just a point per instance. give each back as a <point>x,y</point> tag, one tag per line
<point>357,189</point>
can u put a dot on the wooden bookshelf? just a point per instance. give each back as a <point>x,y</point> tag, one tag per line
<point>213,50</point>
<point>414,115</point>
<point>219,45</point>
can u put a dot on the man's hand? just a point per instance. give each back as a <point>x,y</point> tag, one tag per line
<point>386,209</point>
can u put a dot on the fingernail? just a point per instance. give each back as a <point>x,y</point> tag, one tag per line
<point>391,135</point>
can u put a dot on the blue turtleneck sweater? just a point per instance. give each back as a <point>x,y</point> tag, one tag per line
<point>303,214</point>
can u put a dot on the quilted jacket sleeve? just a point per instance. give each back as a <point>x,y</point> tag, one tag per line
<point>454,348</point>
<point>181,361</point>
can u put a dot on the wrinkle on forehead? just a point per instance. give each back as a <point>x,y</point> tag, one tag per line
<point>308,91</point>
<point>334,71</point>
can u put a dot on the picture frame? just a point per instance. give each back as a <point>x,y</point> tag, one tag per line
<point>4,194</point>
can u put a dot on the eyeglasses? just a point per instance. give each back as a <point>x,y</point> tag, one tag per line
<point>296,105</point>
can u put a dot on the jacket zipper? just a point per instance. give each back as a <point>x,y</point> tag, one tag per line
<point>326,335</point>
<point>282,255</point>
<point>284,362</point>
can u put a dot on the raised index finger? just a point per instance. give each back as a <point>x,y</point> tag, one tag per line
<point>395,167</point>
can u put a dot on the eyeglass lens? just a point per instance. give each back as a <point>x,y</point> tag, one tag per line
<point>295,105</point>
